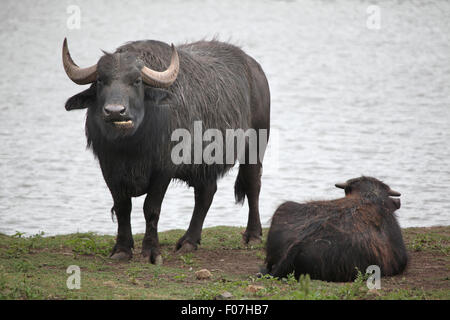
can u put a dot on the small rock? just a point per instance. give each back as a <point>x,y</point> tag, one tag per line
<point>203,274</point>
<point>225,295</point>
<point>253,288</point>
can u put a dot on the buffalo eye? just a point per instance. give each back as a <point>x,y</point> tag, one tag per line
<point>99,82</point>
<point>137,82</point>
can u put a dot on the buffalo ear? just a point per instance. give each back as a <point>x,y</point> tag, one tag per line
<point>158,97</point>
<point>82,100</point>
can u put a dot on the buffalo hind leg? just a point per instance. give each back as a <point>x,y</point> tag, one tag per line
<point>248,183</point>
<point>204,195</point>
<point>152,208</point>
<point>124,240</point>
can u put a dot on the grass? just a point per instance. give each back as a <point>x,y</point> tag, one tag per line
<point>433,242</point>
<point>34,267</point>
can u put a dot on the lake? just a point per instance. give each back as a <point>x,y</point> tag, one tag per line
<point>356,90</point>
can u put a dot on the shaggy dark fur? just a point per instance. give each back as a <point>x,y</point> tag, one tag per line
<point>219,85</point>
<point>330,239</point>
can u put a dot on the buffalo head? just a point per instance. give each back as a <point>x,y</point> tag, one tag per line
<point>371,188</point>
<point>121,89</point>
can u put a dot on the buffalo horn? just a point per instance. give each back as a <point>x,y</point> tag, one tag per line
<point>74,72</point>
<point>394,193</point>
<point>165,78</point>
<point>341,185</point>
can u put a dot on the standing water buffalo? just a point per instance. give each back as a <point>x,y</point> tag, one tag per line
<point>138,96</point>
<point>330,239</point>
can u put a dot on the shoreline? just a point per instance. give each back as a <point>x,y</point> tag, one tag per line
<point>265,227</point>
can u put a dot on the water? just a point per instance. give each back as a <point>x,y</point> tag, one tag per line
<point>346,101</point>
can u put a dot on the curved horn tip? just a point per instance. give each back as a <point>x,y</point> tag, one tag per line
<point>65,46</point>
<point>163,79</point>
<point>76,74</point>
<point>394,193</point>
<point>341,185</point>
<point>175,54</point>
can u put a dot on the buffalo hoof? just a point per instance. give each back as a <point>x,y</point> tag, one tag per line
<point>121,256</point>
<point>251,239</point>
<point>152,256</point>
<point>185,247</point>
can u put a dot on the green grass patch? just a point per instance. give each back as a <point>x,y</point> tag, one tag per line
<point>34,267</point>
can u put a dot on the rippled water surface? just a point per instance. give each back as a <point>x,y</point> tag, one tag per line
<point>346,100</point>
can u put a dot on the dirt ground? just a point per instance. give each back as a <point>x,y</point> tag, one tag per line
<point>427,269</point>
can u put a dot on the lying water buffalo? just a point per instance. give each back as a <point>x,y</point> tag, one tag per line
<point>330,239</point>
<point>142,93</point>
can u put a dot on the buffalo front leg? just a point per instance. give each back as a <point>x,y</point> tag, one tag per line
<point>203,198</point>
<point>152,209</point>
<point>124,240</point>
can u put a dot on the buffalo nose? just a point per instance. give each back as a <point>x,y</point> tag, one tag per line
<point>114,110</point>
